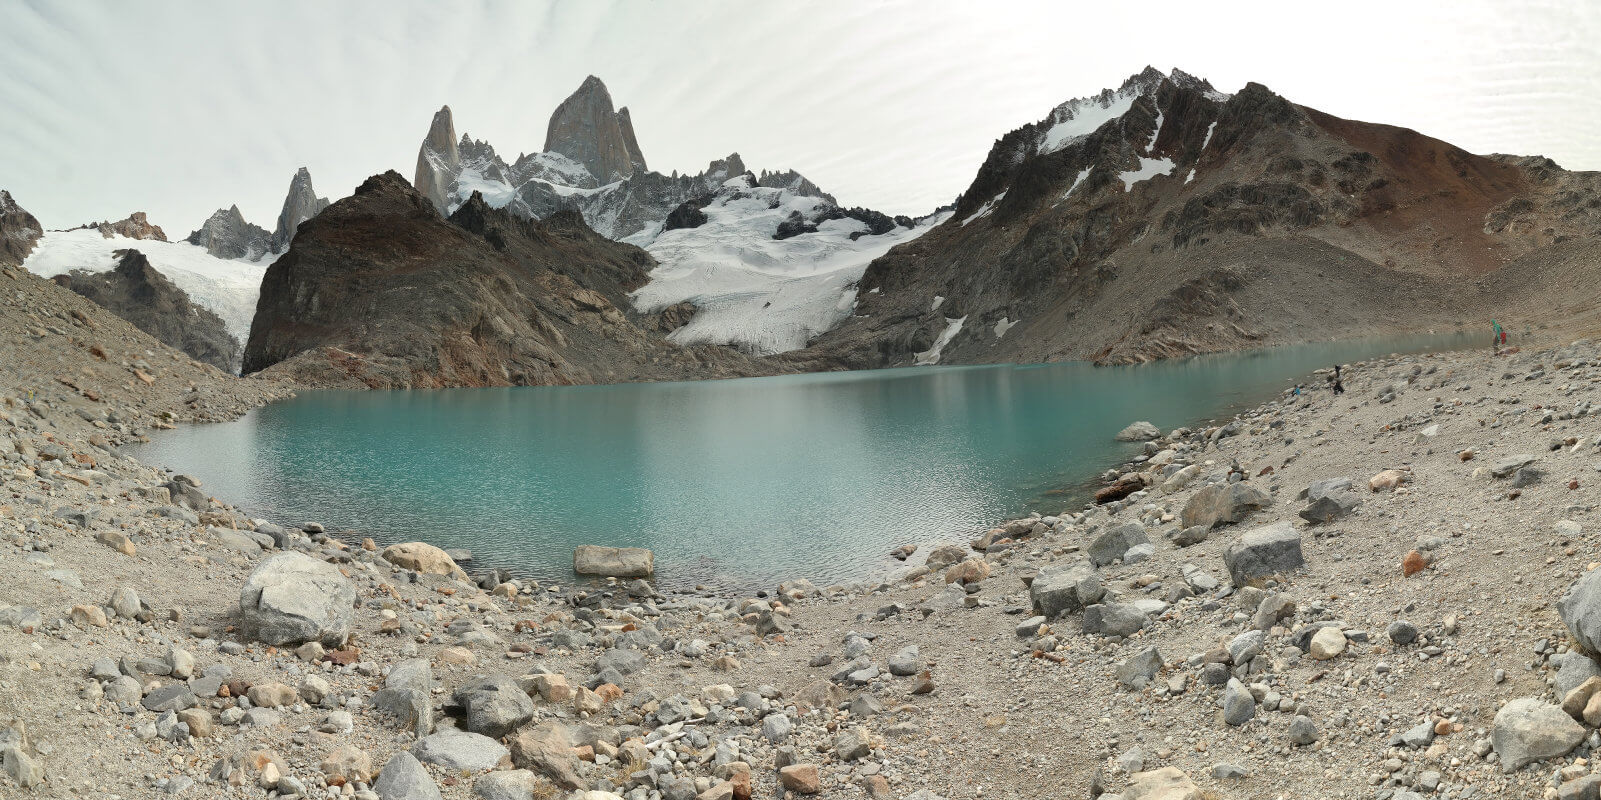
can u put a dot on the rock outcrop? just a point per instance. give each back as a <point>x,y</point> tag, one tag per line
<point>135,291</point>
<point>301,204</point>
<point>19,230</point>
<point>381,291</point>
<point>226,234</point>
<point>586,129</point>
<point>136,226</point>
<point>438,161</point>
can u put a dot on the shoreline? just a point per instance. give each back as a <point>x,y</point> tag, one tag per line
<point>940,682</point>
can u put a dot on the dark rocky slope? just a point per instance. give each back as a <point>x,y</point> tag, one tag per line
<point>379,290</point>
<point>135,291</point>
<point>1195,221</point>
<point>19,230</point>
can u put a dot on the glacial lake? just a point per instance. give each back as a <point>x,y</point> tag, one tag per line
<point>733,484</point>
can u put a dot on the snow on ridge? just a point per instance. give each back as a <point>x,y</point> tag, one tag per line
<point>984,210</point>
<point>750,290</point>
<point>229,288</point>
<point>1076,119</point>
<point>1149,168</point>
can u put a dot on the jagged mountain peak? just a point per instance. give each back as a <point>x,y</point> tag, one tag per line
<point>301,204</point>
<point>587,128</point>
<point>18,231</point>
<point>226,234</point>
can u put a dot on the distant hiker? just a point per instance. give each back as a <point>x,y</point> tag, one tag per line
<point>1499,337</point>
<point>1339,386</point>
<point>1297,390</point>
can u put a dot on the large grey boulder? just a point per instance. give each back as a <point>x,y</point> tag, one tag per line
<point>510,784</point>
<point>1528,730</point>
<point>460,750</point>
<point>1114,544</point>
<point>613,562</point>
<point>1574,668</point>
<point>1113,619</point>
<point>292,598</point>
<point>1223,503</point>
<point>408,695</point>
<point>404,778</point>
<point>1580,610</point>
<point>1065,590</point>
<point>1138,432</point>
<point>1263,552</point>
<point>1328,500</point>
<point>495,705</point>
<point>1138,671</point>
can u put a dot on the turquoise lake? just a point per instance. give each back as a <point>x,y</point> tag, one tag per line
<point>734,483</point>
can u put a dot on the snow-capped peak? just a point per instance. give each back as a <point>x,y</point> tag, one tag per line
<point>1080,117</point>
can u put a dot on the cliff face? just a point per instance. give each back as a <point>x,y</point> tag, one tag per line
<point>586,129</point>
<point>380,290</point>
<point>135,291</point>
<point>18,231</point>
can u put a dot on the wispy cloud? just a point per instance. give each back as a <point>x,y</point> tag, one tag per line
<point>178,108</point>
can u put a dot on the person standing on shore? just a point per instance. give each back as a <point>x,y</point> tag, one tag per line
<point>1339,387</point>
<point>1498,336</point>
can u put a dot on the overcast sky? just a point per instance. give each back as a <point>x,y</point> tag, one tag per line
<point>178,108</point>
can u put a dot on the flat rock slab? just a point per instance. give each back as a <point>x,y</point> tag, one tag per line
<point>614,562</point>
<point>458,750</point>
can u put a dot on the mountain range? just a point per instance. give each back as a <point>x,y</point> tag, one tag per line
<point>1158,219</point>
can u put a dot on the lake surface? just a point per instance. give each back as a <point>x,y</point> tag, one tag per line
<point>733,483</point>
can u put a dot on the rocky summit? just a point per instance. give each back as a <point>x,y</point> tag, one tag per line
<point>136,226</point>
<point>135,291</point>
<point>301,204</point>
<point>18,231</point>
<point>226,234</point>
<point>586,129</point>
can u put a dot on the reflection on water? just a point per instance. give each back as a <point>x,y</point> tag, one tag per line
<point>730,482</point>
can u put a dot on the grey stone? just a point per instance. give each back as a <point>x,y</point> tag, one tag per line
<point>1264,552</point>
<point>1238,704</point>
<point>1329,508</point>
<point>1528,730</point>
<point>172,697</point>
<point>1139,669</point>
<point>1113,544</point>
<point>408,695</point>
<point>614,562</point>
<point>1574,668</point>
<point>460,750</point>
<point>906,662</point>
<point>776,728</point>
<point>292,598</point>
<point>1511,464</point>
<point>1246,646</point>
<point>404,778</point>
<point>1402,632</point>
<point>626,662</point>
<point>512,784</point>
<point>1113,619</point>
<point>1141,431</point>
<point>1302,731</point>
<point>495,705</point>
<point>125,602</point>
<point>1058,590</point>
<point>1223,503</point>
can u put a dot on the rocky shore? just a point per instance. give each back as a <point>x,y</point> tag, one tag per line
<point>1355,596</point>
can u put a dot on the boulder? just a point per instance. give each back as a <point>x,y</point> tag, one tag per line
<point>1528,730</point>
<point>1115,543</point>
<point>1329,507</point>
<point>1167,783</point>
<point>1223,503</point>
<point>547,749</point>
<point>1263,552</point>
<point>408,695</point>
<point>495,705</point>
<point>292,598</point>
<point>1139,669</point>
<point>511,784</point>
<point>1506,467</point>
<point>423,558</point>
<point>404,778</point>
<point>1065,590</point>
<point>1113,619</point>
<point>459,750</point>
<point>1138,432</point>
<point>614,562</point>
<point>1580,610</point>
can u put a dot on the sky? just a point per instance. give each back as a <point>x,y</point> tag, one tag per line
<point>181,108</point>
